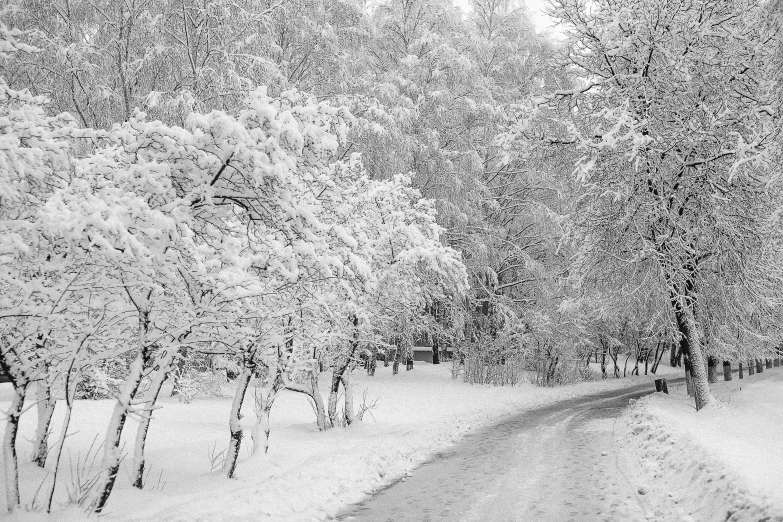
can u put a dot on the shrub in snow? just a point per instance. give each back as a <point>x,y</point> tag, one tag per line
<point>101,380</point>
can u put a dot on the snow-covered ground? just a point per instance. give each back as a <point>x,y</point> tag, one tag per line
<point>306,475</point>
<point>722,463</point>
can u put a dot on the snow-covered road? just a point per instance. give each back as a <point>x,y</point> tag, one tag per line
<point>552,463</point>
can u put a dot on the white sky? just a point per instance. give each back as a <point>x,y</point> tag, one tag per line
<point>542,21</point>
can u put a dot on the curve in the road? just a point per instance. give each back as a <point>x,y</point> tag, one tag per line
<point>550,463</point>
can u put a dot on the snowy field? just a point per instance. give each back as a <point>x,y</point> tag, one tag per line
<point>306,475</point>
<point>722,463</point>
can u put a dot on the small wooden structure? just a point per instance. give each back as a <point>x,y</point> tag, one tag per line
<point>660,386</point>
<point>423,351</point>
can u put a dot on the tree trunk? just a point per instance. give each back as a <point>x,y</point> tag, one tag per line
<point>751,368</point>
<point>373,364</point>
<point>641,354</point>
<point>552,369</point>
<point>658,356</point>
<point>759,366</point>
<point>264,405</point>
<point>712,370</point>
<point>112,454</point>
<point>726,371</point>
<point>673,356</point>
<point>70,392</point>
<point>235,421</point>
<point>741,375</point>
<point>397,355</point>
<point>603,359</point>
<point>700,383</point>
<point>320,411</point>
<point>614,355</point>
<point>337,374</point>
<point>46,404</point>
<point>164,365</point>
<point>769,363</point>
<point>10,462</point>
<point>349,412</point>
<point>435,350</point>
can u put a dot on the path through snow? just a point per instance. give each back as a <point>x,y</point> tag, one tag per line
<point>552,463</point>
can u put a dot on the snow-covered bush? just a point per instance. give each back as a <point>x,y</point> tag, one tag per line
<point>101,380</point>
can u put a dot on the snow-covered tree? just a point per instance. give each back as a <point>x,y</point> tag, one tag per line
<point>33,156</point>
<point>674,121</point>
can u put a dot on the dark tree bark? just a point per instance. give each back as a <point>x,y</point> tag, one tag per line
<point>712,370</point>
<point>111,446</point>
<point>683,304</point>
<point>373,361</point>
<point>234,422</point>
<point>163,366</point>
<point>660,349</point>
<point>46,404</point>
<point>614,354</point>
<point>688,377</point>
<point>726,371</point>
<point>10,461</point>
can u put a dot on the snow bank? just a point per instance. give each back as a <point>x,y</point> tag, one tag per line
<point>722,463</point>
<point>306,475</point>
